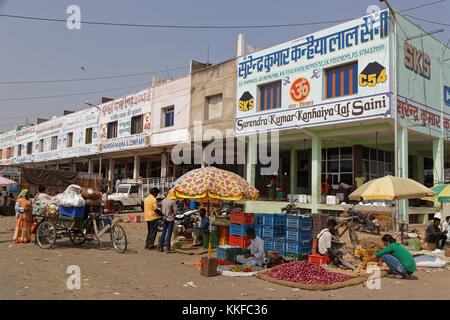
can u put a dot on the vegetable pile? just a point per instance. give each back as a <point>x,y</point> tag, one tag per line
<point>306,273</point>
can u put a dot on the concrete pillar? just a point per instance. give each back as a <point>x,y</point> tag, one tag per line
<point>316,173</point>
<point>420,169</point>
<point>90,166</point>
<point>136,167</point>
<point>251,159</point>
<point>74,167</point>
<point>57,166</point>
<point>438,161</point>
<point>403,168</point>
<point>164,164</point>
<point>294,171</point>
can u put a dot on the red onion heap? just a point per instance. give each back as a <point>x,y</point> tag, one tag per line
<point>306,273</point>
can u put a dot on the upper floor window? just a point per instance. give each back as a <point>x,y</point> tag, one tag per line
<point>112,130</point>
<point>41,145</point>
<point>341,81</point>
<point>69,139</point>
<point>214,107</point>
<point>19,150</point>
<point>168,117</point>
<point>270,96</point>
<point>29,147</point>
<point>137,123</point>
<point>88,136</point>
<point>54,142</point>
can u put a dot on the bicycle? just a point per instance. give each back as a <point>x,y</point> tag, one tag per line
<point>350,226</point>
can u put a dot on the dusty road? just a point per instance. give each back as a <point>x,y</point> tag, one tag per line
<point>29,272</point>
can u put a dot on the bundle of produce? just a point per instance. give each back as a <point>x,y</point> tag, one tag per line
<point>93,202</point>
<point>306,273</point>
<point>90,194</point>
<point>45,207</point>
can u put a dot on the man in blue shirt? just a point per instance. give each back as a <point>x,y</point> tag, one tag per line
<point>197,232</point>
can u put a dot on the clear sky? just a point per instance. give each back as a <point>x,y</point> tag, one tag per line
<point>35,50</point>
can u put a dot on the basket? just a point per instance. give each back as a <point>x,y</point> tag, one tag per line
<point>303,247</point>
<point>75,212</point>
<point>365,254</point>
<point>296,235</point>
<point>414,244</point>
<point>239,229</point>
<point>274,232</point>
<point>258,219</point>
<point>275,219</point>
<point>318,259</point>
<point>239,241</point>
<point>240,217</point>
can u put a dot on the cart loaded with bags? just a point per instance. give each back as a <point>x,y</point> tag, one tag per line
<point>76,214</point>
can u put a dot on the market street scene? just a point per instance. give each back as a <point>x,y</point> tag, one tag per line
<point>283,161</point>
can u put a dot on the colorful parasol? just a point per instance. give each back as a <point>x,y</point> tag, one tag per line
<point>442,194</point>
<point>212,183</point>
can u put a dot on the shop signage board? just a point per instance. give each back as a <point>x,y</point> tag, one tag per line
<point>335,75</point>
<point>123,110</point>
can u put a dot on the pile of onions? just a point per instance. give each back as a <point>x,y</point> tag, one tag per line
<point>306,273</point>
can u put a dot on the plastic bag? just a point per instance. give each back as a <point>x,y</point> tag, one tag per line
<point>429,261</point>
<point>71,197</point>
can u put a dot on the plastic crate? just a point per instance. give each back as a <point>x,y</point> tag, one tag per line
<point>279,245</point>
<point>258,219</point>
<point>214,239</point>
<point>274,232</point>
<point>240,217</point>
<point>239,241</point>
<point>275,219</point>
<point>307,223</point>
<point>303,247</point>
<point>297,235</point>
<point>318,259</point>
<point>268,244</point>
<point>75,212</point>
<point>293,221</point>
<point>134,218</point>
<point>297,257</point>
<point>258,231</point>
<point>221,253</point>
<point>365,254</point>
<point>69,222</point>
<point>314,245</point>
<point>239,229</point>
<point>319,222</point>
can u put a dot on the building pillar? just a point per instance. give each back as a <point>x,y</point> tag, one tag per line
<point>57,166</point>
<point>438,161</point>
<point>403,168</point>
<point>294,171</point>
<point>316,173</point>
<point>111,174</point>
<point>74,167</point>
<point>164,164</point>
<point>420,169</point>
<point>136,167</point>
<point>90,166</point>
<point>251,159</point>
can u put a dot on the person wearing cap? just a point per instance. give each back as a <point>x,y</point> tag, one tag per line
<point>256,255</point>
<point>435,235</point>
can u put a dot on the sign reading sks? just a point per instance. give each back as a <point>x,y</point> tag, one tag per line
<point>417,61</point>
<point>335,75</point>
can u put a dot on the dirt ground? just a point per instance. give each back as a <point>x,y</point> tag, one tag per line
<point>29,272</point>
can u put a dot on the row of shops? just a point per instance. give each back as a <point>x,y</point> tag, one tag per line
<point>320,107</point>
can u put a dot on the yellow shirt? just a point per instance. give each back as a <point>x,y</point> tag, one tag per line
<point>150,206</point>
<point>360,181</point>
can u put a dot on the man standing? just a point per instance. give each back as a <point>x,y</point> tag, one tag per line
<point>5,195</point>
<point>151,216</point>
<point>256,255</point>
<point>325,246</point>
<point>169,211</point>
<point>435,235</point>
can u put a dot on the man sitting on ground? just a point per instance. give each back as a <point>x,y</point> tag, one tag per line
<point>435,235</point>
<point>397,258</point>
<point>198,231</point>
<point>256,255</point>
<point>325,245</point>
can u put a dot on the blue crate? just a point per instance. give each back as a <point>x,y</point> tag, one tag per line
<point>268,244</point>
<point>293,221</point>
<point>239,229</point>
<point>279,245</point>
<point>275,219</point>
<point>303,247</point>
<point>259,219</point>
<point>221,253</point>
<point>306,223</point>
<point>297,235</point>
<point>258,231</point>
<point>274,232</point>
<point>74,212</point>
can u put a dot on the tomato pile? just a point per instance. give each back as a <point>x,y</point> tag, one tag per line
<point>306,273</point>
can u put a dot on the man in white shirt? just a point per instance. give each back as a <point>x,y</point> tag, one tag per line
<point>325,246</point>
<point>446,225</point>
<point>256,255</point>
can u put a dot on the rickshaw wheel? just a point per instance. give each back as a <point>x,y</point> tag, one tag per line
<point>77,237</point>
<point>119,238</point>
<point>46,235</point>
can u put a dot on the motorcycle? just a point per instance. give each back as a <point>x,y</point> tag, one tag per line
<point>290,209</point>
<point>185,221</point>
<point>365,223</point>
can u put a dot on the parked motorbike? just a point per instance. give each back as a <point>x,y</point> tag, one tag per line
<point>365,223</point>
<point>185,221</point>
<point>290,209</point>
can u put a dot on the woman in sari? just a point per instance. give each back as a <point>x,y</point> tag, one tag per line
<point>24,221</point>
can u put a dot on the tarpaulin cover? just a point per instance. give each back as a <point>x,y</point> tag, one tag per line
<point>48,177</point>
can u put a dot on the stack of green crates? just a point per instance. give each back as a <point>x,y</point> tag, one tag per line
<point>69,222</point>
<point>214,239</point>
<point>297,257</point>
<point>231,254</point>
